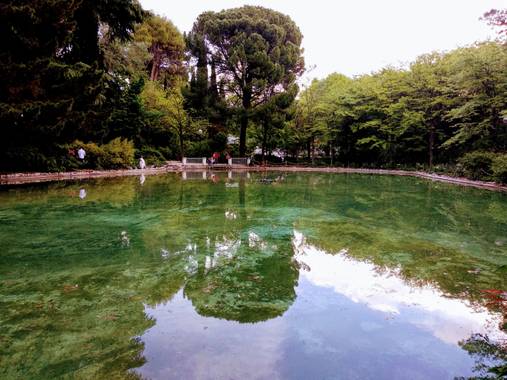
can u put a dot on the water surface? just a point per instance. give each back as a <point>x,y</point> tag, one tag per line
<point>258,276</point>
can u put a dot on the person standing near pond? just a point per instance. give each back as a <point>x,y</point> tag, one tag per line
<point>215,158</point>
<point>81,153</point>
<point>142,164</point>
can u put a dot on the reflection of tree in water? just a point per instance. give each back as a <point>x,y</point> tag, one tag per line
<point>419,261</point>
<point>175,231</point>
<point>490,357</point>
<point>233,272</point>
<point>250,287</point>
<point>432,233</point>
<point>458,276</point>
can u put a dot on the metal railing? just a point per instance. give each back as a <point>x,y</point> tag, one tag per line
<point>194,160</point>
<point>243,161</point>
<point>239,161</point>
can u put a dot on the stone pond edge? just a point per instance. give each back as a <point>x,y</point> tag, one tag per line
<point>25,178</point>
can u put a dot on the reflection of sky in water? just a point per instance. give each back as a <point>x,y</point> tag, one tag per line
<point>451,320</point>
<point>185,345</point>
<point>348,321</point>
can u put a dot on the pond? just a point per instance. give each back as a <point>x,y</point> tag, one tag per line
<point>252,276</point>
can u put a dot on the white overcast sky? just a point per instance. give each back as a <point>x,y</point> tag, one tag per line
<point>360,36</point>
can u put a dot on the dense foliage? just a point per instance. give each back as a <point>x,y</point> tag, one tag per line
<point>255,51</point>
<point>443,106</point>
<point>55,86</point>
<point>96,72</point>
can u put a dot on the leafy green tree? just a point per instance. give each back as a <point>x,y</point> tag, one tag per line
<point>430,99</point>
<point>168,112</point>
<point>257,53</point>
<point>124,60</point>
<point>166,47</point>
<point>126,118</point>
<point>311,116</point>
<point>53,83</point>
<point>271,118</point>
<point>203,98</point>
<point>478,81</point>
<point>442,106</point>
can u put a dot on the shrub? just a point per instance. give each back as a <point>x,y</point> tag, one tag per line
<point>93,154</point>
<point>198,149</point>
<point>499,168</point>
<point>477,165</point>
<point>117,154</point>
<point>166,152</point>
<point>152,155</point>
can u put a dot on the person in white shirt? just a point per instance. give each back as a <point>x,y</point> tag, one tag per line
<point>142,164</point>
<point>81,154</point>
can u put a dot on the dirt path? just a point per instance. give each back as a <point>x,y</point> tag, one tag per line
<point>21,178</point>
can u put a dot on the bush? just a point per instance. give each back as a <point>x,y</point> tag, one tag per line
<point>116,154</point>
<point>198,149</point>
<point>92,158</point>
<point>499,168</point>
<point>151,155</point>
<point>166,152</point>
<point>477,165</point>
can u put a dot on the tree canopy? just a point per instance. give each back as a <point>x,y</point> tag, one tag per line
<point>444,105</point>
<point>165,44</point>
<point>54,86</point>
<point>256,53</point>
<point>92,72</point>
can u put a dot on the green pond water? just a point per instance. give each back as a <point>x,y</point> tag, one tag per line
<point>252,276</point>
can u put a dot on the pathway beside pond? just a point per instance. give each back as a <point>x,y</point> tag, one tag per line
<point>21,178</point>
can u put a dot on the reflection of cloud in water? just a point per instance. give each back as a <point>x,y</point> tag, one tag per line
<point>184,344</point>
<point>451,320</point>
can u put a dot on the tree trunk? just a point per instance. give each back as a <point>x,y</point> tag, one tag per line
<point>242,134</point>
<point>182,152</point>
<point>313,151</point>
<point>154,74</point>
<point>155,66</point>
<point>247,97</point>
<point>264,138</point>
<point>431,143</point>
